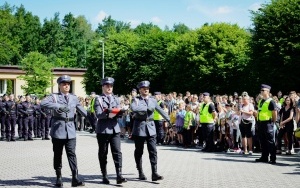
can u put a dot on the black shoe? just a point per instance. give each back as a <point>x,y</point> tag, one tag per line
<point>142,176</point>
<point>120,178</point>
<point>25,139</point>
<point>8,139</point>
<point>76,183</point>
<point>156,177</point>
<point>58,179</point>
<point>1,138</point>
<point>12,139</point>
<point>272,162</point>
<point>30,139</point>
<point>47,138</point>
<point>261,160</point>
<point>105,180</point>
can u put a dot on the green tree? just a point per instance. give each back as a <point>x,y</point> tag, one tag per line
<point>117,52</point>
<point>27,30</point>
<point>276,44</point>
<point>144,28</point>
<point>9,87</point>
<point>110,26</point>
<point>9,46</point>
<point>38,73</point>
<point>180,28</point>
<point>212,58</point>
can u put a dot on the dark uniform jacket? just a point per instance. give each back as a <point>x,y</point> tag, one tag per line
<point>105,124</point>
<point>62,124</point>
<point>11,107</point>
<point>143,116</point>
<point>27,108</point>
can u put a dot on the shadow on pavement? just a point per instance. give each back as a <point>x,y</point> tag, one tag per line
<point>35,181</point>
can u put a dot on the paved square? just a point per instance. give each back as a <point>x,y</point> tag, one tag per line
<point>30,164</point>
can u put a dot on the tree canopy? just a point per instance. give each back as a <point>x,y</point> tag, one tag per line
<point>216,57</point>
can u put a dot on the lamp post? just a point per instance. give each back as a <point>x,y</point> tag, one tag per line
<point>102,41</point>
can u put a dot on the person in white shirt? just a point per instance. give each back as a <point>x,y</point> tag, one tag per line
<point>246,111</point>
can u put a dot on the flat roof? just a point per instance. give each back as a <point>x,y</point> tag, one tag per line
<point>14,69</point>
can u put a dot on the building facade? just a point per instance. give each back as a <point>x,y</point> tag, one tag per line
<point>9,78</point>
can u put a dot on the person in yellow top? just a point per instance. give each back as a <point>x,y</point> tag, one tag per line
<point>92,116</point>
<point>266,117</point>
<point>188,118</point>
<point>159,120</point>
<point>208,118</point>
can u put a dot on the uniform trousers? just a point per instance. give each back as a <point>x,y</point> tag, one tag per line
<point>266,136</point>
<point>115,145</point>
<point>28,122</point>
<point>159,131</point>
<point>10,122</point>
<point>70,146</point>
<point>139,149</point>
<point>37,126</point>
<point>208,135</point>
<point>3,117</point>
<point>20,126</point>
<point>45,124</point>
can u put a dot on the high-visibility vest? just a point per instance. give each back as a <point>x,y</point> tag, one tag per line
<point>205,116</point>
<point>156,115</point>
<point>281,100</point>
<point>264,114</point>
<point>92,109</point>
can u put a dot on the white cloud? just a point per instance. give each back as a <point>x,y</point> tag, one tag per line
<point>100,16</point>
<point>223,10</point>
<point>255,6</point>
<point>156,19</point>
<point>210,11</point>
<point>134,23</point>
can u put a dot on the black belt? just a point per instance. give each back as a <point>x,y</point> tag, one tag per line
<point>143,119</point>
<point>66,119</point>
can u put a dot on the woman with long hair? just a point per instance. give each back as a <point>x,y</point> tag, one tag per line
<point>286,125</point>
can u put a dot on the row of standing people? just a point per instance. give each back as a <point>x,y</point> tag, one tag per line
<point>26,112</point>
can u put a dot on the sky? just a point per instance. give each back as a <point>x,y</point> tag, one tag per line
<point>192,13</point>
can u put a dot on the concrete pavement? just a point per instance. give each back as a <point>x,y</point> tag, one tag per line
<point>30,164</point>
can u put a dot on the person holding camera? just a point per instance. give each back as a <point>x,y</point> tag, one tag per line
<point>107,109</point>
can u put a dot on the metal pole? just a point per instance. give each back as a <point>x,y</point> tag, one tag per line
<point>102,59</point>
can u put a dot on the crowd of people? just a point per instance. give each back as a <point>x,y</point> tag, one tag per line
<point>235,130</point>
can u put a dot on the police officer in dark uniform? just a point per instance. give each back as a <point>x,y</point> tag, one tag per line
<point>11,118</point>
<point>107,109</point>
<point>266,118</point>
<point>3,116</point>
<point>144,129</point>
<point>45,122</point>
<point>27,109</point>
<point>63,131</point>
<point>208,118</point>
<point>37,118</point>
<point>20,118</point>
